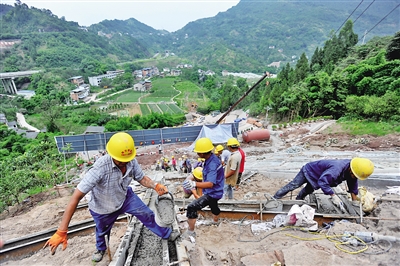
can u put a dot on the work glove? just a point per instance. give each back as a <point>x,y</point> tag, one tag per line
<point>189,184</point>
<point>161,189</point>
<point>58,238</point>
<point>337,202</point>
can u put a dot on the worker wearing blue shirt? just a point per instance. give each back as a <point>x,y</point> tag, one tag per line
<point>326,174</point>
<point>212,185</point>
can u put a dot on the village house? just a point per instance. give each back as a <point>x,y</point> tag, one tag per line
<point>95,81</point>
<point>78,80</point>
<point>80,92</point>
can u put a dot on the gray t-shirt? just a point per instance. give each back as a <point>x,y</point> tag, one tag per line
<point>104,179</point>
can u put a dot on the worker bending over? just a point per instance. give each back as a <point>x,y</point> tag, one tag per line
<point>197,176</point>
<point>325,174</point>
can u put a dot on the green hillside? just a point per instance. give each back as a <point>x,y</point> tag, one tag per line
<point>49,42</point>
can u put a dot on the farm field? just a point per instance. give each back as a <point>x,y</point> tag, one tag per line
<point>125,97</point>
<point>191,93</point>
<point>161,99</point>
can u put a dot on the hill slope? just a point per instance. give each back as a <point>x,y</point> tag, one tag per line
<point>253,34</point>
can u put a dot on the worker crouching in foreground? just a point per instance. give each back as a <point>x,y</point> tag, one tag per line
<point>108,180</point>
<point>197,176</point>
<point>325,174</point>
<point>212,185</point>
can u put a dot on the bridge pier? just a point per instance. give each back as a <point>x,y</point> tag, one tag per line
<point>9,85</point>
<point>7,79</point>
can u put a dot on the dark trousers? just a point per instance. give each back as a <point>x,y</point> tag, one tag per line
<point>299,180</point>
<point>199,204</point>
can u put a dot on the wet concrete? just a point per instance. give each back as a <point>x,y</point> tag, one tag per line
<point>165,210</point>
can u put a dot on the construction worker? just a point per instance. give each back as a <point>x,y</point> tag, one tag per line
<point>199,163</point>
<point>173,162</point>
<point>166,164</point>
<point>325,174</point>
<point>196,175</point>
<point>222,154</point>
<point>108,181</point>
<point>232,167</point>
<point>186,165</point>
<point>212,185</point>
<point>241,168</point>
<point>160,149</point>
<point>180,162</point>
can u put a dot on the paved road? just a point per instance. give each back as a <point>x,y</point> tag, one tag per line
<point>22,123</point>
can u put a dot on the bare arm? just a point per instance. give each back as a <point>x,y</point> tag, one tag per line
<point>70,209</point>
<point>230,173</point>
<point>147,182</point>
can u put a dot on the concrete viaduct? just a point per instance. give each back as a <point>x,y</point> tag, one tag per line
<point>7,79</point>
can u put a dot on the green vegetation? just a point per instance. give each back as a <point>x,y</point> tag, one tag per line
<point>145,109</point>
<point>128,96</point>
<point>359,85</point>
<point>175,108</point>
<point>358,82</point>
<point>356,127</point>
<point>154,108</point>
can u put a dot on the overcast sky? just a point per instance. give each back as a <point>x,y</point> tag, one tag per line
<point>170,15</point>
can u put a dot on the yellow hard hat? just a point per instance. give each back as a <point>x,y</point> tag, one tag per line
<point>121,147</point>
<point>233,142</point>
<point>219,148</point>
<point>198,173</point>
<point>203,145</point>
<point>362,168</point>
<point>172,156</point>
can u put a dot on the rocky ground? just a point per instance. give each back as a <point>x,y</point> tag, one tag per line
<point>231,242</point>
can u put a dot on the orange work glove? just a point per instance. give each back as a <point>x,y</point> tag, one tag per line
<point>58,238</point>
<point>161,189</point>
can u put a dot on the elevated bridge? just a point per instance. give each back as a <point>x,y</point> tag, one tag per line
<point>7,79</point>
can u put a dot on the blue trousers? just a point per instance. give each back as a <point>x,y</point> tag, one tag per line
<point>228,192</point>
<point>297,182</point>
<point>134,206</point>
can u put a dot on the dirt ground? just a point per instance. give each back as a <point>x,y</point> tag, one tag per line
<point>230,242</point>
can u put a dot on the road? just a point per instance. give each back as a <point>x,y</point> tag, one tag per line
<point>22,123</point>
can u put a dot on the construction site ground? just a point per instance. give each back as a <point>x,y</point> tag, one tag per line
<point>271,164</point>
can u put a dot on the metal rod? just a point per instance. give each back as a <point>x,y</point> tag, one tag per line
<point>241,98</point>
<point>108,247</point>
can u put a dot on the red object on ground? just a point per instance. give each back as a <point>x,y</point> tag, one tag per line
<point>260,134</point>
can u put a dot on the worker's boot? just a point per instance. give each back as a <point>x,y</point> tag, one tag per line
<point>98,255</point>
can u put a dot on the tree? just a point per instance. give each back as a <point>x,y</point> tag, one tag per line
<point>393,50</point>
<point>302,69</point>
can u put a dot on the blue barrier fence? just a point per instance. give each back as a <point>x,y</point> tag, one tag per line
<point>98,141</point>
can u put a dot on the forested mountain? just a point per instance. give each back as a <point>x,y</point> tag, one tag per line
<point>248,37</point>
<point>253,34</point>
<point>48,42</point>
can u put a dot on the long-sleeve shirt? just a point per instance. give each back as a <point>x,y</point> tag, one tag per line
<point>325,174</point>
